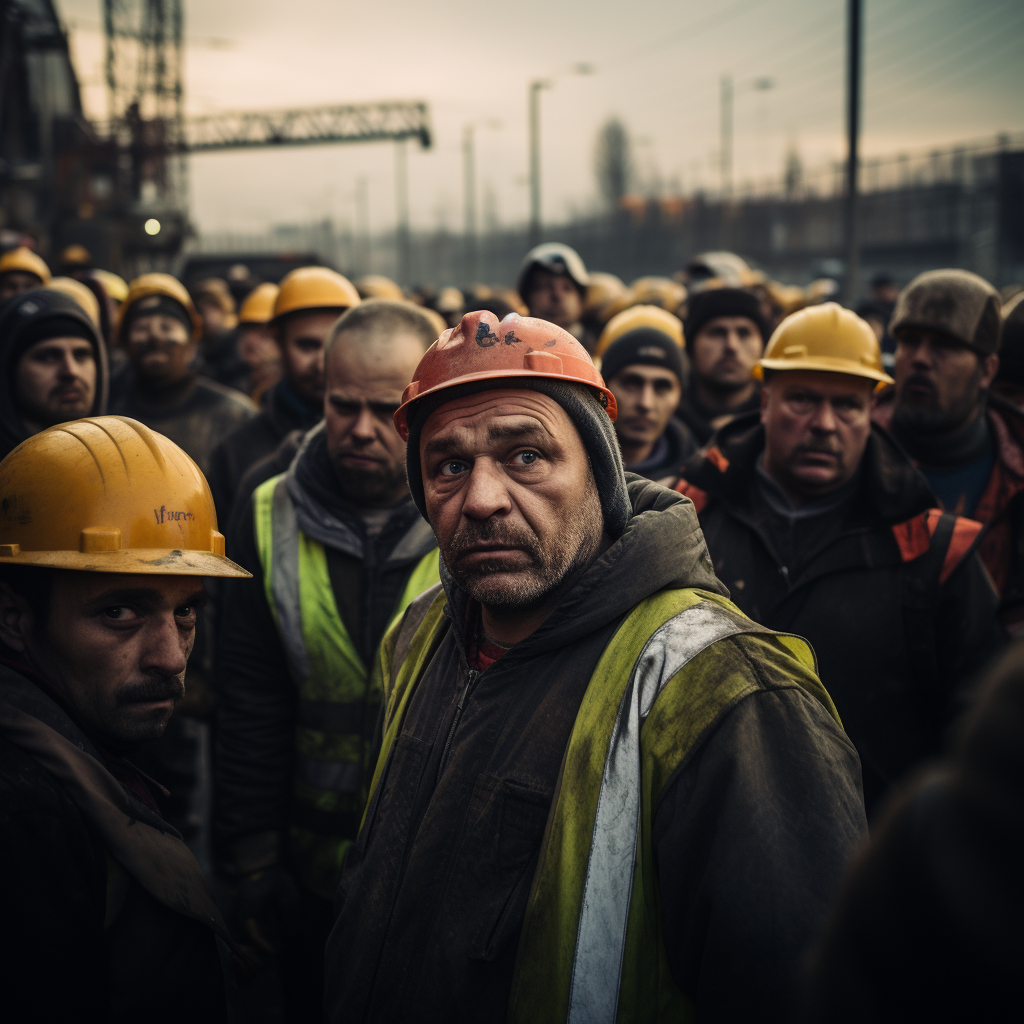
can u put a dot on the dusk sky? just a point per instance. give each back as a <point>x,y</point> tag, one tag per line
<point>936,72</point>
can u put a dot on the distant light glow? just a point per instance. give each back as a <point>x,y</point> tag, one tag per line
<point>152,226</point>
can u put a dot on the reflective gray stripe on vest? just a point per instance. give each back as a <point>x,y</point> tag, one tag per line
<point>284,581</point>
<point>336,776</point>
<point>601,939</point>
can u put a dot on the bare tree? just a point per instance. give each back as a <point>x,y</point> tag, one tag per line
<point>613,162</point>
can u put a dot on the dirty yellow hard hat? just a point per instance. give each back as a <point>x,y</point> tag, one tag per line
<point>603,288</point>
<point>80,293</point>
<point>116,287</point>
<point>107,494</point>
<point>377,286</point>
<point>258,307</point>
<point>824,337</point>
<point>161,285</point>
<point>314,288</point>
<point>24,261</point>
<point>75,256</point>
<point>658,291</point>
<point>637,317</point>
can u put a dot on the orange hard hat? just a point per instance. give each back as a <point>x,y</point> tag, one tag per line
<point>258,307</point>
<point>107,494</point>
<point>481,348</point>
<point>308,288</point>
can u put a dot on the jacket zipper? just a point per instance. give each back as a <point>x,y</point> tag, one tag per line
<point>471,679</point>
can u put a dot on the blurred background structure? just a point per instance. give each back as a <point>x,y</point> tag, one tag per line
<point>695,127</point>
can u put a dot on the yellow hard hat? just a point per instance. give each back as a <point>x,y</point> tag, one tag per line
<point>25,261</point>
<point>116,287</point>
<point>652,317</point>
<point>824,337</point>
<point>376,286</point>
<point>107,494</point>
<point>258,307</point>
<point>603,288</point>
<point>658,291</point>
<point>314,288</point>
<point>158,284</point>
<point>80,293</point>
<point>449,300</point>
<point>75,256</point>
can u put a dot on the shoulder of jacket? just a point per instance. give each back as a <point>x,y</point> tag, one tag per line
<point>916,537</point>
<point>693,492</point>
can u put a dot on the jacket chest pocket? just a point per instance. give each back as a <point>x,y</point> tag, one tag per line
<point>503,844</point>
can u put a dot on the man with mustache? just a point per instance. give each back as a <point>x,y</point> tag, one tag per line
<point>603,792</point>
<point>106,531</point>
<point>341,551</point>
<point>819,525</point>
<point>725,334</point>
<point>966,440</point>
<point>53,365</point>
<point>642,363</point>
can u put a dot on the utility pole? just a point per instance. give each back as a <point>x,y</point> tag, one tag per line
<point>469,202</point>
<point>534,97</point>
<point>363,222</point>
<point>850,225</point>
<point>404,254</point>
<point>725,140</point>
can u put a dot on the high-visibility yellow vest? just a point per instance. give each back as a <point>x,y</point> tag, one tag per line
<point>338,701</point>
<point>591,948</point>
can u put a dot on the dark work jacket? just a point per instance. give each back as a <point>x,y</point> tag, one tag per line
<point>254,440</point>
<point>698,419</point>
<point>198,416</point>
<point>927,926</point>
<point>106,913</point>
<point>749,838</point>
<point>673,448</point>
<point>257,718</point>
<point>844,587</point>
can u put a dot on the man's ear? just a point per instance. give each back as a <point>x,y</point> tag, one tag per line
<point>16,619</point>
<point>990,367</point>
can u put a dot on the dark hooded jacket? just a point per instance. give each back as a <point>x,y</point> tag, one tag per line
<point>106,913</point>
<point>670,451</point>
<point>283,411</point>
<point>18,317</point>
<point>748,849</point>
<point>697,417</point>
<point>897,633</point>
<point>257,721</point>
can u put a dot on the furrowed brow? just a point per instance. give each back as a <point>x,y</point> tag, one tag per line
<point>522,432</point>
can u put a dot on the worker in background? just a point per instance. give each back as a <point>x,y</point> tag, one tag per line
<point>21,270</point>
<point>376,286</point>
<point>528,853</point>
<point>106,530</point>
<point>53,365</point>
<point>306,306</point>
<point>725,337</point>
<point>450,304</point>
<point>641,353</point>
<point>819,525</point>
<point>219,358</point>
<point>160,328</point>
<point>553,283</point>
<point>256,345</point>
<point>341,551</point>
<point>967,442</point>
<point>1009,380</point>
<point>75,261</point>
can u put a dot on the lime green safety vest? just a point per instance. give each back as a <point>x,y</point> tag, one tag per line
<point>338,701</point>
<point>591,949</point>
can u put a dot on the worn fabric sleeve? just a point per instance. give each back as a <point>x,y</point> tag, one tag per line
<point>256,722</point>
<point>750,839</point>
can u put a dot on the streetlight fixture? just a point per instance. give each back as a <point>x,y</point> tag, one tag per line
<point>469,195</point>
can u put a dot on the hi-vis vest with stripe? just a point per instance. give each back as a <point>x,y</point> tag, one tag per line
<point>591,949</point>
<point>338,700</point>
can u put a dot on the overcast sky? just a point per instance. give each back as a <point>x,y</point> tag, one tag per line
<point>936,72</point>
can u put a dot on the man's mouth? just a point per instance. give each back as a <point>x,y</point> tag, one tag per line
<point>359,460</point>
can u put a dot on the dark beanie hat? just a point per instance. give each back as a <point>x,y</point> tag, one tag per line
<point>716,302</point>
<point>148,305</point>
<point>1011,355</point>
<point>39,315</point>
<point>644,345</point>
<point>956,303</point>
<point>582,407</point>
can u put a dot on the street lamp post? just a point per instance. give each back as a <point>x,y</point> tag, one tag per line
<point>469,201</point>
<point>534,97</point>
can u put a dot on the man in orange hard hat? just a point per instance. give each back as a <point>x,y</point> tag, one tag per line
<point>819,525</point>
<point>527,850</point>
<point>308,302</point>
<point>106,531</point>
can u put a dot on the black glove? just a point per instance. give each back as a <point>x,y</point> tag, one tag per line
<point>267,910</point>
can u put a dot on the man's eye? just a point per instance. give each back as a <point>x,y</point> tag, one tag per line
<point>526,458</point>
<point>452,468</point>
<point>119,613</point>
<point>186,611</point>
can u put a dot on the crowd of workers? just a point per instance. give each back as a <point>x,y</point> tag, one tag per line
<point>556,648</point>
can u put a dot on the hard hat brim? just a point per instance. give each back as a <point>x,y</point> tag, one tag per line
<point>822,364</point>
<point>141,561</point>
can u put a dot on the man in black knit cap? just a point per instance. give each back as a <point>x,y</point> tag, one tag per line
<point>54,365</point>
<point>725,335</point>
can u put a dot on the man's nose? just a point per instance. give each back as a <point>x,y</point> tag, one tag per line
<point>365,427</point>
<point>645,401</point>
<point>824,418</point>
<point>486,492</point>
<point>167,648</point>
